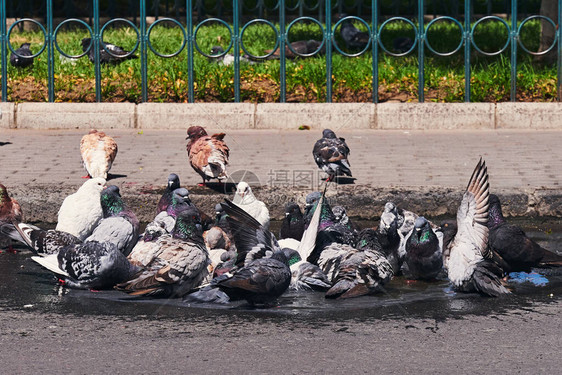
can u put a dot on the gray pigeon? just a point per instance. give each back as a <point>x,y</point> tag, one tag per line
<point>119,224</point>
<point>19,61</point>
<point>166,199</point>
<point>177,264</point>
<point>424,256</point>
<point>119,54</point>
<point>90,265</point>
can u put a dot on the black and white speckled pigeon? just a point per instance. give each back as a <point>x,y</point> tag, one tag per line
<point>424,256</point>
<point>176,264</point>
<point>42,242</point>
<point>330,154</point>
<point>81,212</point>
<point>119,224</point>
<point>384,241</point>
<point>22,62</point>
<point>468,269</point>
<point>119,54</point>
<point>292,225</point>
<point>509,243</point>
<point>166,199</point>
<point>89,265</point>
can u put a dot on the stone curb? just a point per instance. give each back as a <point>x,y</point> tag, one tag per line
<point>363,202</point>
<point>281,115</point>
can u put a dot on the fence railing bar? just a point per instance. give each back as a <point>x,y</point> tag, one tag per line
<point>421,45</point>
<point>236,45</point>
<point>375,48</point>
<point>4,47</point>
<point>50,53</point>
<point>96,46</point>
<point>559,50</point>
<point>190,41</point>
<point>143,51</point>
<point>329,36</point>
<point>513,41</point>
<point>282,59</point>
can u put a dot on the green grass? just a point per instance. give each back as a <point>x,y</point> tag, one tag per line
<point>306,78</point>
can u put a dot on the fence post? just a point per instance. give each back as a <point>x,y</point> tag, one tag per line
<point>282,60</point>
<point>513,39</point>
<point>96,47</point>
<point>50,53</point>
<point>328,37</point>
<point>374,47</point>
<point>559,64</point>
<point>236,45</point>
<point>4,52</point>
<point>143,51</point>
<point>189,43</point>
<point>421,44</point>
<point>467,41</point>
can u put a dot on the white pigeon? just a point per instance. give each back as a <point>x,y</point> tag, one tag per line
<point>468,270</point>
<point>245,199</point>
<point>81,212</point>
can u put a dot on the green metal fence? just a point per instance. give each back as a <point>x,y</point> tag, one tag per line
<point>374,26</point>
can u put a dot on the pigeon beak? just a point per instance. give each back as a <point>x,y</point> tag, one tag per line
<point>286,214</point>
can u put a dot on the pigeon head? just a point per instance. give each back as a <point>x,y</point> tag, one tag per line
<point>3,194</point>
<point>292,209</point>
<point>368,239</point>
<point>111,202</point>
<point>495,215</point>
<point>188,225</point>
<point>421,229</point>
<point>341,214</point>
<point>94,184</point>
<point>25,45</point>
<point>180,195</point>
<point>173,181</point>
<point>311,200</point>
<point>195,132</point>
<point>216,50</point>
<point>243,194</point>
<point>291,255</point>
<point>327,133</point>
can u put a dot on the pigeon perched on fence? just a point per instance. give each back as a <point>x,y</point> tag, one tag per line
<point>20,61</point>
<point>118,55</point>
<point>98,151</point>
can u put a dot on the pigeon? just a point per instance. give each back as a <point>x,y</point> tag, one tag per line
<point>119,224</point>
<point>41,242</point>
<point>165,221</point>
<point>245,199</point>
<point>424,256</point>
<point>98,152</point>
<point>10,215</point>
<point>353,37</point>
<point>340,214</point>
<point>81,212</point>
<point>172,184</point>
<point>293,223</point>
<point>119,54</point>
<point>467,267</point>
<point>386,242</point>
<point>208,155</point>
<point>228,58</point>
<point>260,282</point>
<point>301,47</point>
<point>305,275</point>
<point>89,265</point>
<point>330,154</point>
<point>402,44</point>
<point>262,270</point>
<point>509,243</point>
<point>21,61</point>
<point>179,264</point>
<point>358,273</point>
<point>310,203</point>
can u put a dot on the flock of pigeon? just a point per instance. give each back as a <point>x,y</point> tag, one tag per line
<point>187,254</point>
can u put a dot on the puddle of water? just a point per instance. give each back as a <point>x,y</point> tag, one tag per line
<point>25,285</point>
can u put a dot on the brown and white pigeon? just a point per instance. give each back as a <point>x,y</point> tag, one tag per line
<point>208,155</point>
<point>330,154</point>
<point>10,212</point>
<point>98,151</point>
